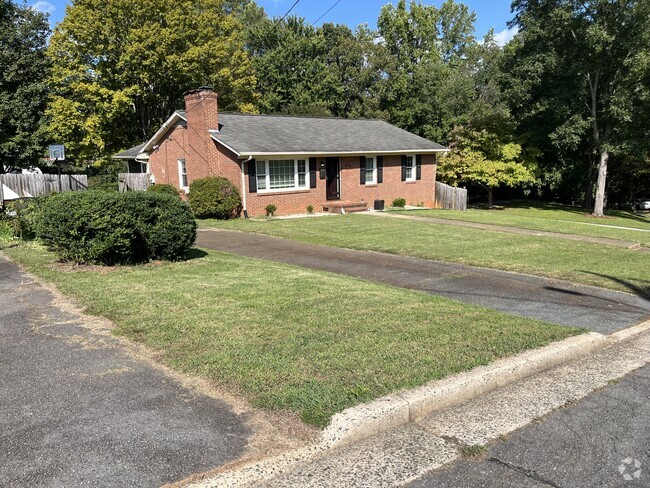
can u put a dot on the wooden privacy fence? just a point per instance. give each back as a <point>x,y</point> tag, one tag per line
<point>450,197</point>
<point>133,181</point>
<point>13,187</point>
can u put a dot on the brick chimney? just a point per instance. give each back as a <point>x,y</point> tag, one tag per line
<point>202,116</point>
<point>201,108</point>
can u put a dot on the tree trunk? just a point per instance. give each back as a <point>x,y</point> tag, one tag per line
<point>599,206</point>
<point>489,190</point>
<point>589,187</point>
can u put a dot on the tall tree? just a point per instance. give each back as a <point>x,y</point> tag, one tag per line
<point>120,67</point>
<point>426,44</point>
<point>23,84</point>
<point>580,66</point>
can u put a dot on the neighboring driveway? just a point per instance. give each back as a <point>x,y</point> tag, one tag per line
<point>554,301</point>
<point>596,443</point>
<point>78,409</point>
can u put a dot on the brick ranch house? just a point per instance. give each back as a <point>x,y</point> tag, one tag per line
<point>291,162</point>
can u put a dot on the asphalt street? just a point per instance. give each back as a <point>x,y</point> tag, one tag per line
<point>553,301</point>
<point>77,409</point>
<point>603,441</point>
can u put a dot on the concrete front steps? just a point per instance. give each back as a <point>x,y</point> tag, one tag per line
<point>342,207</point>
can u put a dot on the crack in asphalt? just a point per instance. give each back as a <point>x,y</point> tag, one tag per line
<point>526,472</point>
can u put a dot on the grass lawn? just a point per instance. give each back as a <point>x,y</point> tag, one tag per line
<point>552,217</point>
<point>305,341</point>
<point>592,264</point>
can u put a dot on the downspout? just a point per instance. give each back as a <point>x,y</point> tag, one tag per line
<point>243,185</point>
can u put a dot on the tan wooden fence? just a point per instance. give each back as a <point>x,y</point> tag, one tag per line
<point>450,197</point>
<point>14,186</point>
<point>134,181</point>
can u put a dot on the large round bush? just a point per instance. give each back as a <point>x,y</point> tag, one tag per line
<point>115,228</point>
<point>214,198</point>
<point>163,188</point>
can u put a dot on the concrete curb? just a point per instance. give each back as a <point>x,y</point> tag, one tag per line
<point>386,413</point>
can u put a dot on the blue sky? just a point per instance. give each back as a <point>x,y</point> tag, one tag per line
<point>489,14</point>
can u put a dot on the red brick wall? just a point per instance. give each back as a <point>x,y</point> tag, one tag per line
<point>163,161</point>
<point>295,202</point>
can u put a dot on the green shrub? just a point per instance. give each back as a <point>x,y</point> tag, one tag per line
<point>164,188</point>
<point>6,231</point>
<point>214,198</point>
<point>310,209</point>
<point>115,228</point>
<point>270,209</point>
<point>399,202</point>
<point>22,213</point>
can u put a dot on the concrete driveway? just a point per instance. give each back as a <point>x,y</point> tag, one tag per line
<point>554,301</point>
<point>77,409</point>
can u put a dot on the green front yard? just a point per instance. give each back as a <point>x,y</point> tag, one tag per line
<point>554,218</point>
<point>592,264</point>
<point>290,338</point>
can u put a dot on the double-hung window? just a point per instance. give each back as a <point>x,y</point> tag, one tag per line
<point>371,170</point>
<point>409,168</point>
<point>182,175</point>
<point>281,174</point>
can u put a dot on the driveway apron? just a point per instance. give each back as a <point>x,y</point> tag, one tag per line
<point>78,409</point>
<point>554,301</point>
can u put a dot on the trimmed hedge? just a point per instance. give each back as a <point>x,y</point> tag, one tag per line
<point>95,227</point>
<point>163,188</point>
<point>215,198</point>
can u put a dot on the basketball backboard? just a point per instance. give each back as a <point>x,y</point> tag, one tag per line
<point>57,152</point>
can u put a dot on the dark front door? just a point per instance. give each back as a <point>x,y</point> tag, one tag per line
<point>332,170</point>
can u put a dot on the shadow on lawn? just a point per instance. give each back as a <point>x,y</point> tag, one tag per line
<point>196,253</point>
<point>586,212</point>
<point>642,291</point>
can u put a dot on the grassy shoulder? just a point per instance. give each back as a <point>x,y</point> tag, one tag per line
<point>591,264</point>
<point>553,218</point>
<point>305,341</point>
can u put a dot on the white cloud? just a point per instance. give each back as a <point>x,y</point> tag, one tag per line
<point>502,38</point>
<point>44,7</point>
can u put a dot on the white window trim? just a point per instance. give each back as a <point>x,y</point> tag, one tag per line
<point>295,186</point>
<point>374,170</point>
<point>413,168</point>
<point>180,175</point>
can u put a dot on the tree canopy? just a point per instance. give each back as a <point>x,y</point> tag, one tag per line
<point>23,85</point>
<point>580,72</point>
<point>120,68</point>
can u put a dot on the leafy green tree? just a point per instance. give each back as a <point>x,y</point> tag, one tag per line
<point>483,159</point>
<point>120,68</point>
<point>23,84</point>
<point>580,72</point>
<point>424,88</point>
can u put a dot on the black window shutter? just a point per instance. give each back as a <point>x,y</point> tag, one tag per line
<point>313,167</point>
<point>380,169</point>
<point>418,167</point>
<point>403,168</point>
<point>252,176</point>
<point>362,172</point>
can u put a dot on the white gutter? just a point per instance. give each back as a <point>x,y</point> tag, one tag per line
<point>345,153</point>
<point>243,182</point>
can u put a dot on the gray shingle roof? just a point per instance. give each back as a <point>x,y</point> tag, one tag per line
<point>129,153</point>
<point>268,134</point>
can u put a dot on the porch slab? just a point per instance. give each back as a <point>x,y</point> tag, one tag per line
<point>339,207</point>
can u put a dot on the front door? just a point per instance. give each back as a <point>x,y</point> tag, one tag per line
<point>333,172</point>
